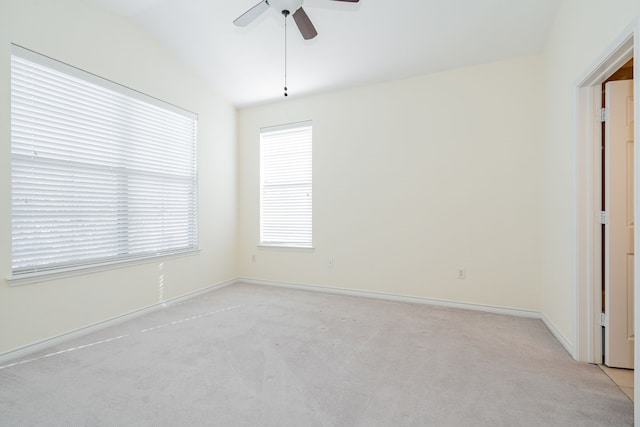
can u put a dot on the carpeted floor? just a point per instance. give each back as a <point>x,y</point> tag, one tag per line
<point>258,356</point>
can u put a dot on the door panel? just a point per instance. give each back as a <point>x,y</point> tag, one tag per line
<point>619,244</point>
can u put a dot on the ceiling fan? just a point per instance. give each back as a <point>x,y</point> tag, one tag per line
<point>286,7</point>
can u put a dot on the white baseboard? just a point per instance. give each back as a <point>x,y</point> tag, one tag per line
<point>556,333</point>
<point>399,298</point>
<point>42,345</point>
<point>429,301</point>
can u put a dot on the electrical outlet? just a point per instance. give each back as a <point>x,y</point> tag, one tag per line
<point>461,273</point>
<point>253,258</point>
<point>330,263</point>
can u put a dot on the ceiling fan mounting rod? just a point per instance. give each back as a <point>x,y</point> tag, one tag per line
<point>290,5</point>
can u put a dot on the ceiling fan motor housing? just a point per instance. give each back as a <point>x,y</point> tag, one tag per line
<point>282,5</point>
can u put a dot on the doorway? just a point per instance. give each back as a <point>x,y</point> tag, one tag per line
<point>588,337</point>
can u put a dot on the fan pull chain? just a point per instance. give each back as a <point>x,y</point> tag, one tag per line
<point>285,13</point>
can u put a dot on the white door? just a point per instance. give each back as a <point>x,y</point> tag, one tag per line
<point>619,252</point>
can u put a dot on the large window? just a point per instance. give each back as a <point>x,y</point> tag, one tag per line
<point>286,186</point>
<point>100,173</point>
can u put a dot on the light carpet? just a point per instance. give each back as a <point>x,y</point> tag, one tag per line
<point>250,355</point>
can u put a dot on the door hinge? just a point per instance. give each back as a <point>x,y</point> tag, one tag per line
<point>604,114</point>
<point>604,320</point>
<point>604,217</point>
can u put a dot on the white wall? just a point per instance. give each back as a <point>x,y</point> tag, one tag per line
<point>582,31</point>
<point>82,35</point>
<point>411,180</point>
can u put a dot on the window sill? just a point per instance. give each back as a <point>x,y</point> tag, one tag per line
<point>285,248</point>
<point>42,276</point>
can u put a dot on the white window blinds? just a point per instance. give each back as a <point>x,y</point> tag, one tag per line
<point>100,173</point>
<point>286,185</point>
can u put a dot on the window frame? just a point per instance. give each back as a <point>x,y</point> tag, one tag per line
<point>306,245</point>
<point>39,272</point>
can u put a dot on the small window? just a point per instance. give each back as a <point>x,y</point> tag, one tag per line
<point>99,173</point>
<point>286,186</point>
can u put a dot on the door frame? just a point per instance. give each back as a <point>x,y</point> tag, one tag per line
<point>587,340</point>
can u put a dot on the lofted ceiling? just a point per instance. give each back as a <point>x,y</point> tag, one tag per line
<point>357,44</point>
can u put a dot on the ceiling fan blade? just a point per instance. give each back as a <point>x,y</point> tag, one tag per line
<point>251,14</point>
<point>304,24</point>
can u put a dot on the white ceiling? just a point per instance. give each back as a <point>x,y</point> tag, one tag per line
<point>358,43</point>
